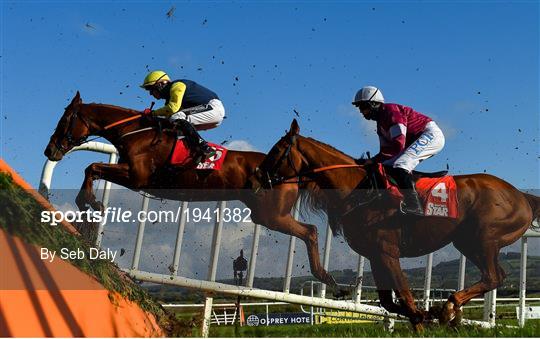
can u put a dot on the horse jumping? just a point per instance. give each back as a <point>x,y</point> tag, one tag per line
<point>492,214</point>
<point>143,166</point>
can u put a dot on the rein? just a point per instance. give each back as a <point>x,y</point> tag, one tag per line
<point>120,122</point>
<point>77,142</point>
<point>287,180</point>
<point>274,179</point>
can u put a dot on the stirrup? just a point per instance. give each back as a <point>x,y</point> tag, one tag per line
<point>404,210</point>
<point>201,156</point>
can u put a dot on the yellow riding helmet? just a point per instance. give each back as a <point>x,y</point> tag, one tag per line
<point>154,77</point>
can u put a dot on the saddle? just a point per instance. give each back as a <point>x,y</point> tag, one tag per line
<point>418,175</point>
<point>437,190</point>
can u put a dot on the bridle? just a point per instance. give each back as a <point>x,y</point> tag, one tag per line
<point>74,142</point>
<point>272,178</point>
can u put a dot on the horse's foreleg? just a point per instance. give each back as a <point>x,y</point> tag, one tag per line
<point>389,276</point>
<point>117,173</point>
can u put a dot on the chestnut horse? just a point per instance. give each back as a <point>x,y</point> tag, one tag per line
<point>492,214</point>
<point>145,149</point>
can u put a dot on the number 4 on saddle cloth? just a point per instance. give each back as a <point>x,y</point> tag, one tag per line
<point>438,194</point>
<point>181,156</point>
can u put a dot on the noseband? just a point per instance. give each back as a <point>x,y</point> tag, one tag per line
<point>272,177</point>
<point>72,142</point>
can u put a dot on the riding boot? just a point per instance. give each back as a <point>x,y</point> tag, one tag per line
<point>411,202</point>
<point>198,147</point>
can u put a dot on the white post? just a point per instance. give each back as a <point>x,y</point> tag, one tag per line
<point>427,280</point>
<point>360,278</point>
<point>105,201</point>
<point>326,258</point>
<point>490,299</point>
<point>522,282</point>
<point>212,268</point>
<point>389,322</point>
<point>290,257</point>
<point>267,317</point>
<point>140,235</point>
<point>253,256</point>
<point>311,307</point>
<point>179,238</point>
<point>461,274</point>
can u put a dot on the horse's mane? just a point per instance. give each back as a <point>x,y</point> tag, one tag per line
<point>113,107</point>
<point>312,198</point>
<point>325,145</point>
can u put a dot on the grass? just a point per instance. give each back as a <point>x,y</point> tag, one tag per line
<point>505,316</point>
<point>20,216</point>
<point>532,329</point>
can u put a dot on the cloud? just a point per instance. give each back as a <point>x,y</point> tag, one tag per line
<point>240,145</point>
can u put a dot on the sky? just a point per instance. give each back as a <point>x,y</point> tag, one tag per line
<point>471,66</point>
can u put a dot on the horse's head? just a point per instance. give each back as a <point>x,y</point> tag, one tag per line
<point>72,130</point>
<point>284,160</point>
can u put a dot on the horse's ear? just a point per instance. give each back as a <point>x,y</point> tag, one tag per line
<point>76,99</point>
<point>295,128</point>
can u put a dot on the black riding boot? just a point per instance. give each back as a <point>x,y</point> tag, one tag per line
<point>411,201</point>
<point>198,146</point>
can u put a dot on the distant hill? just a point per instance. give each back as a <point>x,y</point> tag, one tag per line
<point>444,275</point>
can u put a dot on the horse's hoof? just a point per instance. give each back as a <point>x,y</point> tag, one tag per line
<point>418,328</point>
<point>458,317</point>
<point>434,312</point>
<point>448,314</point>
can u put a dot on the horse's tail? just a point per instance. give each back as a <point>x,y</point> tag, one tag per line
<point>534,201</point>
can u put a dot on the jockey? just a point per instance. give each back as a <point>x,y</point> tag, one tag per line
<point>406,138</point>
<point>189,106</point>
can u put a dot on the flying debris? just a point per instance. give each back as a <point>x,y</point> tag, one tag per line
<point>170,13</point>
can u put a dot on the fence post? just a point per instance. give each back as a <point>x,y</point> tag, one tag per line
<point>253,255</point>
<point>140,236</point>
<point>179,237</point>
<point>326,258</point>
<point>212,268</point>
<point>427,281</point>
<point>105,202</point>
<point>522,282</point>
<point>290,257</point>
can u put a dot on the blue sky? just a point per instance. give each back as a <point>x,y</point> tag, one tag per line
<point>473,67</point>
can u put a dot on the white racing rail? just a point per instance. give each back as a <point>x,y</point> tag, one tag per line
<point>211,286</point>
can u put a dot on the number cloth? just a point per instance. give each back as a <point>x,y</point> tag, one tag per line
<point>438,195</point>
<point>181,156</point>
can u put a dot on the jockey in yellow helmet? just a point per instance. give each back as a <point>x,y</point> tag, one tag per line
<point>189,106</point>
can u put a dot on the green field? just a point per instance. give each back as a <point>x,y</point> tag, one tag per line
<point>506,320</point>
<point>532,329</point>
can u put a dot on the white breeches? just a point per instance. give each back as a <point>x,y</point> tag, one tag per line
<point>430,142</point>
<point>203,117</point>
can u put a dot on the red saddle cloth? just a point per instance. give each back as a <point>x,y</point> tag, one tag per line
<point>438,195</point>
<point>182,157</point>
